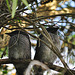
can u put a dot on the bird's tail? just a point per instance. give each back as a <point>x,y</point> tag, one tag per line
<point>20,68</point>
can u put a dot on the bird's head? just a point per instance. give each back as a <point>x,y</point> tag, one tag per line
<point>17,32</point>
<point>53,29</point>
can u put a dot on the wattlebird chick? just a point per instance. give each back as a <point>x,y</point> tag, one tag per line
<point>19,48</point>
<point>43,53</point>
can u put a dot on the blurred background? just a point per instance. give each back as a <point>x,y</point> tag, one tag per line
<point>42,12</point>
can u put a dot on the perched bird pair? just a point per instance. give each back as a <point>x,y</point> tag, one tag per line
<point>20,48</point>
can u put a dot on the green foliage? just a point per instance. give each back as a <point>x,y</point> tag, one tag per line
<point>3,70</point>
<point>4,50</point>
<point>8,5</point>
<point>14,7</point>
<point>26,3</point>
<point>70,39</point>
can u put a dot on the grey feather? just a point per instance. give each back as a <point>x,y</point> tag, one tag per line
<point>19,48</point>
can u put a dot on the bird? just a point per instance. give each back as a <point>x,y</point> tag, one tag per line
<point>19,47</point>
<point>43,53</point>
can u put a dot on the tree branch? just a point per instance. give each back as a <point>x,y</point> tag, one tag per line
<point>50,65</point>
<point>45,17</point>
